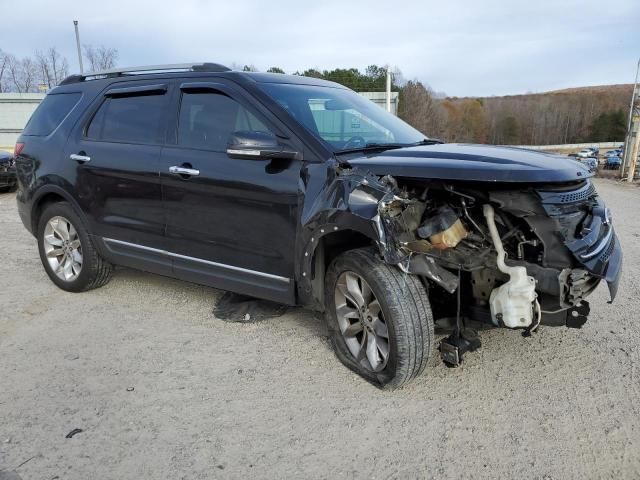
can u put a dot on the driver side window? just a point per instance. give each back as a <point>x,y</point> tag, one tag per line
<point>208,119</point>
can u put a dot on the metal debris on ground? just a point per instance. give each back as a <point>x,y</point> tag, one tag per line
<point>73,432</point>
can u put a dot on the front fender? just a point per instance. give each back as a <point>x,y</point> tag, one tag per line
<point>348,201</point>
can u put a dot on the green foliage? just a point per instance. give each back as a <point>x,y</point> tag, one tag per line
<point>275,70</point>
<point>373,79</point>
<point>607,126</point>
<point>508,130</point>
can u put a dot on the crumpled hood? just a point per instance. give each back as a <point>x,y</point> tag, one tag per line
<point>485,163</point>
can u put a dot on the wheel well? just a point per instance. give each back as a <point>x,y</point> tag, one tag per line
<point>339,242</point>
<point>42,203</point>
<point>329,247</point>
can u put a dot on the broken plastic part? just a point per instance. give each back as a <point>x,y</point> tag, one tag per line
<point>233,307</point>
<point>577,316</point>
<point>512,303</point>
<point>427,267</point>
<point>455,346</point>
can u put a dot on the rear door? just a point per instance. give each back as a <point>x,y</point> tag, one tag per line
<point>230,223</point>
<point>118,155</point>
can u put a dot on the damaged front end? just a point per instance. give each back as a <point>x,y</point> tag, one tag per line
<point>510,255</point>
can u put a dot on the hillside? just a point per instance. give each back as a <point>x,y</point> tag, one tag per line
<point>571,115</point>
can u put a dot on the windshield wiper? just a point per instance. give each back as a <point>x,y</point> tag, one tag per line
<point>428,141</point>
<point>375,146</point>
<point>371,147</point>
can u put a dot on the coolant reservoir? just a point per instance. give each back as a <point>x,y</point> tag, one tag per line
<point>443,228</point>
<point>450,237</point>
<point>511,303</point>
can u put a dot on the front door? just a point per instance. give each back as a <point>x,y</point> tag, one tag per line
<point>230,223</point>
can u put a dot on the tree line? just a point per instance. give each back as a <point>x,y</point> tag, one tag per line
<point>47,68</point>
<point>590,114</point>
<point>567,116</point>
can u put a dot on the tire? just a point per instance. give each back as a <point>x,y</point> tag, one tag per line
<point>402,305</point>
<point>88,270</point>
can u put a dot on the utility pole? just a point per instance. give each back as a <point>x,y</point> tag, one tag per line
<point>633,157</point>
<point>634,117</point>
<point>75,23</point>
<point>388,92</point>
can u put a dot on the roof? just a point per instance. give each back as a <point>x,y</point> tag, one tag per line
<point>151,71</point>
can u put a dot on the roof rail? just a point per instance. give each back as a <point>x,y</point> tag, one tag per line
<point>116,72</point>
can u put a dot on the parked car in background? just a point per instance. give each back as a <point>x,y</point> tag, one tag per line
<point>587,153</point>
<point>7,172</point>
<point>617,152</point>
<point>612,162</point>
<point>591,163</point>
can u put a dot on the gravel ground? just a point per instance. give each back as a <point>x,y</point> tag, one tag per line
<point>162,389</point>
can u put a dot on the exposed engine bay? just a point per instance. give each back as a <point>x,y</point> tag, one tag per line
<point>510,255</point>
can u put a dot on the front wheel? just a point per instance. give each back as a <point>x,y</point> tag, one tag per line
<point>380,319</point>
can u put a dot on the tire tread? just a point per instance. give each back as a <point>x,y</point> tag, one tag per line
<point>408,302</point>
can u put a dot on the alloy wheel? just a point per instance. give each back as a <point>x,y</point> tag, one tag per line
<point>62,248</point>
<point>361,321</point>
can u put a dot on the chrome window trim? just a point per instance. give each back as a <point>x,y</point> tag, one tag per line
<point>198,260</point>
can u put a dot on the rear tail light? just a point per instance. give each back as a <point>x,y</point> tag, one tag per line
<point>17,150</point>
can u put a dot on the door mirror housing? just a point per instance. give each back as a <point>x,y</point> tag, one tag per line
<point>256,145</point>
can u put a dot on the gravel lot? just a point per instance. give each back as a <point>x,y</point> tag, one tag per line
<point>268,400</point>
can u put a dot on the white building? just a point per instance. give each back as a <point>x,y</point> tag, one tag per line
<point>380,98</point>
<point>15,110</point>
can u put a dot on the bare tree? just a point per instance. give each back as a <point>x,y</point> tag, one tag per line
<point>22,74</point>
<point>100,58</point>
<point>4,66</point>
<point>52,66</point>
<point>420,109</point>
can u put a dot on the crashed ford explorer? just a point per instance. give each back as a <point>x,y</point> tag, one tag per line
<point>300,191</point>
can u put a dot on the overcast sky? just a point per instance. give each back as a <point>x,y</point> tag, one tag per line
<point>472,47</point>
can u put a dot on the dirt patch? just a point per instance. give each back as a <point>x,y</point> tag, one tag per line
<point>162,389</point>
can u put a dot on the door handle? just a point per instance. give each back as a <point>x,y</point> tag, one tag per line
<point>80,158</point>
<point>192,172</point>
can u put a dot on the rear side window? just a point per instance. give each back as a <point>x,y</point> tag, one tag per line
<point>130,119</point>
<point>50,113</point>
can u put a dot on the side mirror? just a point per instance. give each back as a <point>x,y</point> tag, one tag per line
<point>256,145</point>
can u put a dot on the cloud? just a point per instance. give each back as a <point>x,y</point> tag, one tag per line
<point>462,47</point>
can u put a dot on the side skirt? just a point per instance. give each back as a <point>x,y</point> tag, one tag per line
<point>204,272</point>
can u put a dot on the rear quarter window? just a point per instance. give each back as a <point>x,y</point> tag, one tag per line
<point>50,113</point>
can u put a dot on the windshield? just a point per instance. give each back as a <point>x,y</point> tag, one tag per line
<point>342,118</point>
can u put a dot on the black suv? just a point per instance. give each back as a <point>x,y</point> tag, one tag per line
<point>301,191</point>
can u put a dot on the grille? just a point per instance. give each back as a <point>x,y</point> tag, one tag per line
<point>580,195</point>
<point>604,257</point>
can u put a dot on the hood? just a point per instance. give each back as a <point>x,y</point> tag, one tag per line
<point>484,163</point>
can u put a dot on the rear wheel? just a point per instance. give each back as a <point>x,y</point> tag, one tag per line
<point>380,319</point>
<point>67,252</point>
